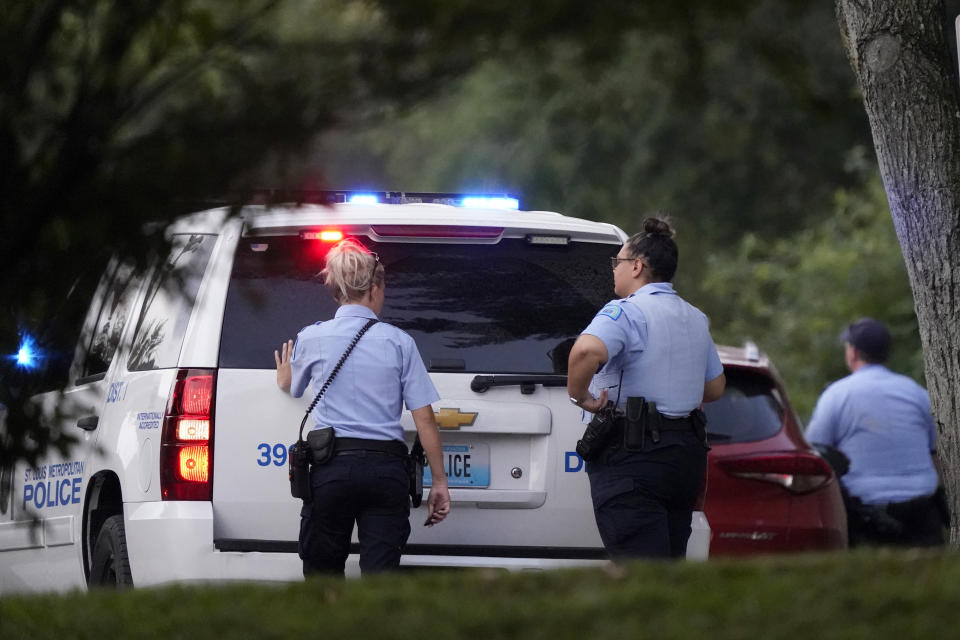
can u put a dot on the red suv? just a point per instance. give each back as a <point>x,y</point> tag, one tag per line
<point>768,491</point>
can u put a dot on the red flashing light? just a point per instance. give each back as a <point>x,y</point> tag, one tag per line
<point>325,235</point>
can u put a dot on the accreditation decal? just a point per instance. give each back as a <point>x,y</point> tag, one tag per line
<point>611,310</point>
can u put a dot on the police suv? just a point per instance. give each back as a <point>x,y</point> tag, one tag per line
<point>180,473</point>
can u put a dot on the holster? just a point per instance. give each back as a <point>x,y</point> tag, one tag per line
<point>699,419</point>
<point>642,419</point>
<point>298,470</point>
<point>316,449</point>
<point>598,433</point>
<point>416,462</point>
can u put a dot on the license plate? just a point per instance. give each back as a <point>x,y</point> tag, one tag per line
<point>467,465</point>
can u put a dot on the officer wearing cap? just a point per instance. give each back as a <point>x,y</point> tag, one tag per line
<point>651,344</point>
<point>882,422</point>
<point>366,481</point>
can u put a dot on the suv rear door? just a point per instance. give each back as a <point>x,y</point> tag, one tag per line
<point>488,305</point>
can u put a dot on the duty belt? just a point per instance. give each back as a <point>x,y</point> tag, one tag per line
<point>651,423</point>
<point>667,423</point>
<point>356,446</point>
<point>670,423</point>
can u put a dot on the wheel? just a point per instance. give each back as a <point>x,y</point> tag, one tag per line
<point>111,566</point>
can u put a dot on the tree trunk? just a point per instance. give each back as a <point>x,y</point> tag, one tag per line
<point>899,52</point>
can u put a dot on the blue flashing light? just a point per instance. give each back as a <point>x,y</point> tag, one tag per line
<point>28,355</point>
<point>364,198</point>
<point>485,202</point>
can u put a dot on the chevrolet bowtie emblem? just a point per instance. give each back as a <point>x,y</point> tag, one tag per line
<point>454,419</point>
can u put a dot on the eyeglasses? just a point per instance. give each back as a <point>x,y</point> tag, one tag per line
<point>614,261</point>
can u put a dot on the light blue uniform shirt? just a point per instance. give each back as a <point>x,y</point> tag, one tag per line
<point>661,344</point>
<point>881,420</point>
<point>382,373</point>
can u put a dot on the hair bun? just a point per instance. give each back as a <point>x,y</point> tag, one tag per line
<point>656,226</point>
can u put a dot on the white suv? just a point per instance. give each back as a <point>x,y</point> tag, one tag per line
<point>181,469</point>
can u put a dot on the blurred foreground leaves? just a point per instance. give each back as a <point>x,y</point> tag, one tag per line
<point>117,116</point>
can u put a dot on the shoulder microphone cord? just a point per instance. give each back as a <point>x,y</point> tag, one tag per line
<point>333,374</point>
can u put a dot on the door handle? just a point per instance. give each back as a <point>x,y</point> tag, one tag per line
<point>88,423</point>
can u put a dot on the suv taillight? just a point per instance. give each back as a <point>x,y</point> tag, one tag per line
<point>186,445</point>
<point>795,471</point>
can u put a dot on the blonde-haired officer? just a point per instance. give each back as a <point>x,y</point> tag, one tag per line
<point>366,481</point>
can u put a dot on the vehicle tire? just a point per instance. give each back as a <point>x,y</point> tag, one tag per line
<point>110,567</point>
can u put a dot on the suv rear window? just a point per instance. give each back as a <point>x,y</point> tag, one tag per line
<point>748,410</point>
<point>511,307</point>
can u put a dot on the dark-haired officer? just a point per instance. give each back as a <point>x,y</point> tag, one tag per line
<point>651,344</point>
<point>881,421</point>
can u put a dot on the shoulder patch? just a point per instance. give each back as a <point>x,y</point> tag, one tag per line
<point>611,310</point>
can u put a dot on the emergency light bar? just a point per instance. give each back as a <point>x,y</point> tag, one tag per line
<point>490,202</point>
<point>363,198</point>
<point>472,200</point>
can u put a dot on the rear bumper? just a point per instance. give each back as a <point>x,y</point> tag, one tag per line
<point>174,542</point>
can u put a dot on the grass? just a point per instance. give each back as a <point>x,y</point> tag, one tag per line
<point>871,595</point>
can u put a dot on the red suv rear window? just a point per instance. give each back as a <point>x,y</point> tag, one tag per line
<point>748,410</point>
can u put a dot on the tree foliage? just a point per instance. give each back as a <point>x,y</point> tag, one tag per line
<point>113,114</point>
<point>750,135</point>
<point>793,296</point>
<point>725,120</point>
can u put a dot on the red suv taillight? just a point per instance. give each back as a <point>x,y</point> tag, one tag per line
<point>186,446</point>
<point>796,471</point>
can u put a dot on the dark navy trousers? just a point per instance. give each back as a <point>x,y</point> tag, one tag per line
<point>644,500</point>
<point>365,488</point>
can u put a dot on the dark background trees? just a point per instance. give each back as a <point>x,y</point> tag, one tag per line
<point>744,126</point>
<point>741,120</point>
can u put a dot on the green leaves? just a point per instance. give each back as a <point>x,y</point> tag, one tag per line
<point>794,296</point>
